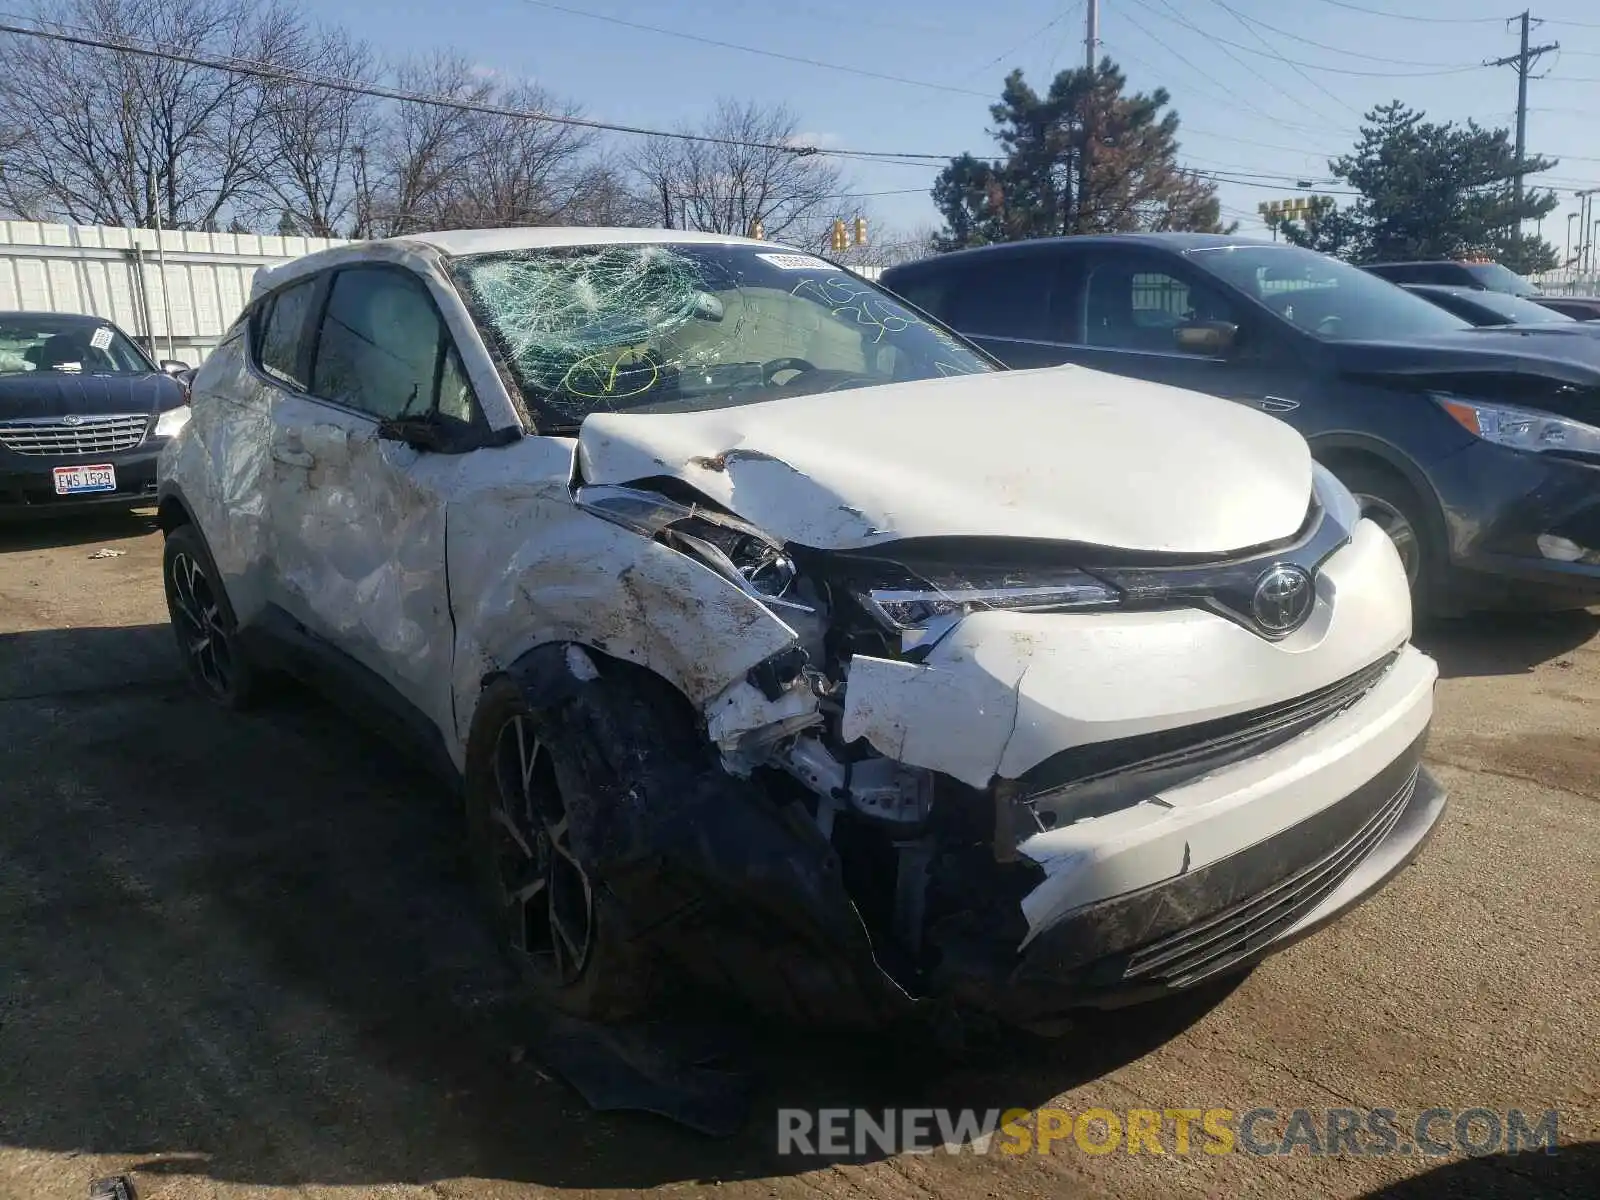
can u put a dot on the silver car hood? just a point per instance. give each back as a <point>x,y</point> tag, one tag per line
<point>1065,454</point>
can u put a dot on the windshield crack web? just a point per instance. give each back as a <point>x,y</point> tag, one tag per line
<point>572,322</point>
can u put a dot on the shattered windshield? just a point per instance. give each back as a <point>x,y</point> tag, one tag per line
<point>649,327</point>
<point>1323,296</point>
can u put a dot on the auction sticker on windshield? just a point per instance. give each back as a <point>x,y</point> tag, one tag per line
<point>102,477</point>
<point>795,262</point>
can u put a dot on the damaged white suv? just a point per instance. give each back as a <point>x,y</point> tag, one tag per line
<point>779,639</point>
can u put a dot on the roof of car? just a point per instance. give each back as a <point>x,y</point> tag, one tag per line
<point>35,313</point>
<point>491,241</point>
<point>458,242</point>
<point>1178,243</point>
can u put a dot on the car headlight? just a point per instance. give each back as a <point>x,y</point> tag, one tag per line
<point>1522,428</point>
<point>174,419</point>
<point>917,600</point>
<point>1334,497</point>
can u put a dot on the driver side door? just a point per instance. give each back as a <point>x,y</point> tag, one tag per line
<point>1125,315</point>
<point>359,515</point>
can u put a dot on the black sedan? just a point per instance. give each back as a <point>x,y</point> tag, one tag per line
<point>1477,450</point>
<point>1501,310</point>
<point>84,413</point>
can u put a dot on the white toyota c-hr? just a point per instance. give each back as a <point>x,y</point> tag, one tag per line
<point>778,639</point>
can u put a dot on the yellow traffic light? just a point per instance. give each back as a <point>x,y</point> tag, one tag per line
<point>861,231</point>
<point>839,239</point>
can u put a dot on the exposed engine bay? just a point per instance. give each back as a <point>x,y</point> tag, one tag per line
<point>932,862</point>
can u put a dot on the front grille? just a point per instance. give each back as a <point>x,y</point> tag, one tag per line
<point>1102,777</point>
<point>1212,945</point>
<point>57,437</point>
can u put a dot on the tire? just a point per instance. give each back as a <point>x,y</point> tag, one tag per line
<point>532,846</point>
<point>203,622</point>
<point>1393,505</point>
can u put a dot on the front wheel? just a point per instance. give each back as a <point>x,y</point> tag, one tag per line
<point>1392,505</point>
<point>534,780</point>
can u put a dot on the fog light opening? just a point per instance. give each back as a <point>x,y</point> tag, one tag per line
<point>1562,549</point>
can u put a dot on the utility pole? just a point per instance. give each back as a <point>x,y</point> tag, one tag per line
<point>1522,60</point>
<point>1091,43</point>
<point>1584,236</point>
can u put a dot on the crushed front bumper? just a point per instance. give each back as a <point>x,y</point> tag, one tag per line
<point>1208,877</point>
<point>1227,916</point>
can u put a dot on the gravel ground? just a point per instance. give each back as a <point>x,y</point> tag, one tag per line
<point>238,957</point>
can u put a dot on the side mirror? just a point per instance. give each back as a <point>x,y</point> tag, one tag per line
<point>1213,338</point>
<point>173,367</point>
<point>422,433</point>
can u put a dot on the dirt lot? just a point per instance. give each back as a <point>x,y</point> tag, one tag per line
<point>235,958</point>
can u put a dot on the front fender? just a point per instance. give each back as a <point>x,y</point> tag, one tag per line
<point>528,568</point>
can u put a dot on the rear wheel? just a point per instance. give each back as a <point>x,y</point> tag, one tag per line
<point>203,621</point>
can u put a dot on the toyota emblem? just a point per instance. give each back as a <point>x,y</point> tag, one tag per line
<point>1282,600</point>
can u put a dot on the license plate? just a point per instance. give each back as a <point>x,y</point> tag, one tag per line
<point>102,477</point>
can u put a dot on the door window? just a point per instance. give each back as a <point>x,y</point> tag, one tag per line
<point>1005,295</point>
<point>283,324</point>
<point>385,350</point>
<point>1131,306</point>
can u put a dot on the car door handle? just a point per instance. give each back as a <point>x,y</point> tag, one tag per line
<point>291,456</point>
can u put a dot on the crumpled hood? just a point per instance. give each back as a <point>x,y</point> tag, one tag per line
<point>1065,454</point>
<point>61,394</point>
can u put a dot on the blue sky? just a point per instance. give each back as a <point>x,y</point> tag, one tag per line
<point>1246,112</point>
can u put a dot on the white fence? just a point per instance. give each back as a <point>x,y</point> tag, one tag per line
<point>1567,281</point>
<point>178,285</point>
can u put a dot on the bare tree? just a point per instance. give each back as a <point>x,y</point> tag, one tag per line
<point>405,179</point>
<point>520,171</point>
<point>749,174</point>
<point>117,138</point>
<point>318,136</point>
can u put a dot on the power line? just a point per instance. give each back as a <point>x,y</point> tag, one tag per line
<point>1378,12</point>
<point>1128,17</point>
<point>1070,10</point>
<point>1187,24</point>
<point>1337,99</point>
<point>757,50</point>
<point>1295,37</point>
<point>1215,40</point>
<point>259,70</point>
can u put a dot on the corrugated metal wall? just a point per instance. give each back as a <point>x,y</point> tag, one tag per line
<point>203,282</point>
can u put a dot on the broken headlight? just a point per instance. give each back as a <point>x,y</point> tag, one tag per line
<point>728,545</point>
<point>763,566</point>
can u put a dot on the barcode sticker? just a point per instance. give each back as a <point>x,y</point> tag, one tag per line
<point>795,262</point>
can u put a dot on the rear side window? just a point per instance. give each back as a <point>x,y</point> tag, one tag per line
<point>1005,295</point>
<point>283,322</point>
<point>383,345</point>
